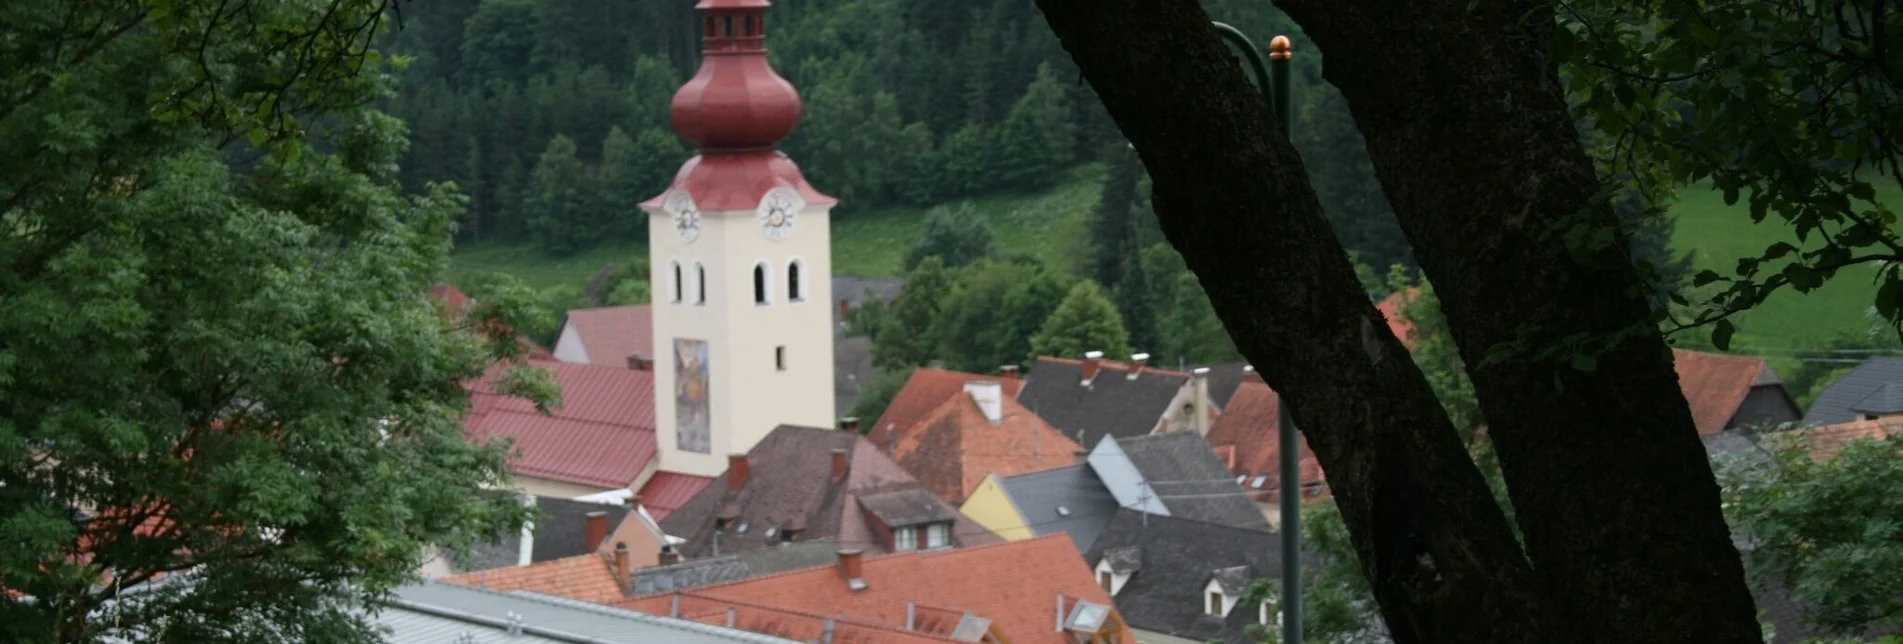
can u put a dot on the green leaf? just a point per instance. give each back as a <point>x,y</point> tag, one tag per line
<point>1585,363</point>
<point>1705,277</point>
<point>1721,333</point>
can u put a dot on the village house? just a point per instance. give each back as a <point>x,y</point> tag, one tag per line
<point>1068,500</point>
<point>1021,592</point>
<point>1872,390</point>
<point>1246,439</point>
<point>925,391</point>
<point>802,483</point>
<point>1173,474</point>
<point>1182,581</point>
<point>977,433</point>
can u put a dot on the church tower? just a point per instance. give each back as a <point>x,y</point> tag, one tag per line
<point>741,256</point>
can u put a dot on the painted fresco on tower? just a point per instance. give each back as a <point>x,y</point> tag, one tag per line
<point>692,427</point>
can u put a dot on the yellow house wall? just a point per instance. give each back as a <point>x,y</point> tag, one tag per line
<point>989,506</point>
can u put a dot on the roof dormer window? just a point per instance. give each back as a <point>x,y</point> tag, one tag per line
<point>1224,590</point>
<point>1116,567</point>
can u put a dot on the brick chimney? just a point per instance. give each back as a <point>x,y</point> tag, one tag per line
<point>849,424</point>
<point>845,310</point>
<point>1010,372</point>
<point>638,361</point>
<point>622,564</point>
<point>597,530</point>
<point>669,555</point>
<point>736,471</point>
<point>1137,362</point>
<point>839,463</point>
<point>851,567</point>
<point>1091,360</point>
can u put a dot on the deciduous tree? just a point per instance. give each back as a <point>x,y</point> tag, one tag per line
<point>1085,321</point>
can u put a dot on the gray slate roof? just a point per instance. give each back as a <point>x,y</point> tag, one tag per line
<point>433,613</point>
<point>1225,379</point>
<point>1836,402</point>
<point>752,563</point>
<point>561,530</point>
<point>1179,557</point>
<point>1112,405</point>
<point>907,507</point>
<point>1886,400</point>
<point>1087,505</point>
<point>1183,470</point>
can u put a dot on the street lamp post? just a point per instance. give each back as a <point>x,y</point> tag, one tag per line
<point>1273,78</point>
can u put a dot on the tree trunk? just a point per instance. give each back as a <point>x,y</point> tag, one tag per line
<point>1234,198</point>
<point>1471,138</point>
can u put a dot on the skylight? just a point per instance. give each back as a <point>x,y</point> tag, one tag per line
<point>1242,478</point>
<point>1063,511</point>
<point>1257,483</point>
<point>742,529</point>
<point>1087,617</point>
<point>770,531</point>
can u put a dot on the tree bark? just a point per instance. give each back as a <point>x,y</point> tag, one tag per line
<point>1471,138</point>
<point>1234,198</point>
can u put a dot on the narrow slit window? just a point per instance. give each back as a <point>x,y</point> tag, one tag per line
<point>700,284</point>
<point>779,358</point>
<point>678,291</point>
<point>749,28</point>
<point>726,26</point>
<point>759,284</point>
<point>793,293</point>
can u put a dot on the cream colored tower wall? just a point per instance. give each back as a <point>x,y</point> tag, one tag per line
<point>748,392</point>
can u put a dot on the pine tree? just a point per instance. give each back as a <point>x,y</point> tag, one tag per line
<point>1344,180</point>
<point>919,176</point>
<point>1193,333</point>
<point>511,211</point>
<point>561,200</point>
<point>651,88</point>
<point>1084,321</point>
<point>967,168</point>
<point>497,42</point>
<point>1035,143</point>
<point>956,236</point>
<point>906,337</point>
<point>1133,301</point>
<point>632,171</point>
<point>1112,230</point>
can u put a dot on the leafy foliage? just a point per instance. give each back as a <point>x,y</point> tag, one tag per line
<point>1830,529</point>
<point>956,236</point>
<point>214,346</point>
<point>1085,321</point>
<point>905,335</point>
<point>1794,104</point>
<point>992,312</point>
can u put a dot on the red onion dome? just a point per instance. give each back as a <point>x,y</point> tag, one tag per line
<point>735,101</point>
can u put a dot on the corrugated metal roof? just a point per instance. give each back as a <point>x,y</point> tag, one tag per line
<point>667,491</point>
<point>603,434</point>
<point>433,613</point>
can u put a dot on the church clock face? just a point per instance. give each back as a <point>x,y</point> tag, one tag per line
<point>778,210</point>
<point>686,216</point>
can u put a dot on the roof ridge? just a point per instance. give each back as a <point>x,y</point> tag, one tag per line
<point>1165,518</point>
<point>1117,365</point>
<point>837,617</point>
<point>882,557</point>
<point>564,418</point>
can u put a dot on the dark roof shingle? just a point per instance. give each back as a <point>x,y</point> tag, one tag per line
<point>1112,404</point>
<point>1179,557</point>
<point>1070,500</point>
<point>1193,484</point>
<point>1834,404</point>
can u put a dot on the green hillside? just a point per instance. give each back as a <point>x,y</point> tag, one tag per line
<point>1047,225</point>
<point>1717,235</point>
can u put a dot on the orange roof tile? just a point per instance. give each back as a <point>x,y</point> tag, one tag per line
<point>923,393</point>
<point>612,333</point>
<point>1248,427</point>
<point>953,448</point>
<point>1715,384</point>
<point>1392,308</point>
<point>453,300</point>
<point>588,578</point>
<point>1827,441</point>
<point>603,434</point>
<point>1014,584</point>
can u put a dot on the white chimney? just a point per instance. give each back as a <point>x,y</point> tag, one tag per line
<point>990,398</point>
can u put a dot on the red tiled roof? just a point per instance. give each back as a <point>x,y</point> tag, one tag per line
<point>1392,307</point>
<point>612,333</point>
<point>923,393</point>
<point>1248,429</point>
<point>588,578</point>
<point>602,435</point>
<point>952,450</point>
<point>1014,584</point>
<point>799,625</point>
<point>1715,384</point>
<point>452,299</point>
<point>665,492</point>
<point>1827,441</point>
